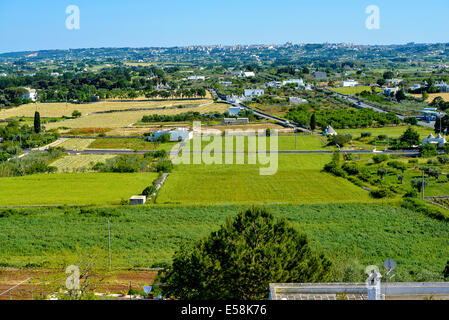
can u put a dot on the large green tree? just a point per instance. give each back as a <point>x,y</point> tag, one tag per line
<point>410,137</point>
<point>313,122</point>
<point>240,260</point>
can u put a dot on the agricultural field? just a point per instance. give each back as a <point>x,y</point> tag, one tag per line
<point>444,95</point>
<point>148,236</point>
<point>128,118</point>
<point>298,180</point>
<point>353,90</point>
<point>130,144</point>
<point>76,144</point>
<point>60,109</point>
<point>72,188</point>
<point>80,162</point>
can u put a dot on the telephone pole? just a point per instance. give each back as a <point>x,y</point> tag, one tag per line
<point>109,246</point>
<point>422,186</point>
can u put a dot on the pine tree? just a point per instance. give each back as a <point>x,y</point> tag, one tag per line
<point>242,258</point>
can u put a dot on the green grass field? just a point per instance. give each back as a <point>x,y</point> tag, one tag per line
<point>392,132</point>
<point>148,236</point>
<point>298,180</point>
<point>73,188</point>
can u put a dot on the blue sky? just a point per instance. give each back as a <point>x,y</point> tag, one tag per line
<point>40,24</point>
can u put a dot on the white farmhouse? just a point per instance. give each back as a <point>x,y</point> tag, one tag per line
<point>233,99</point>
<point>297,100</point>
<point>273,84</point>
<point>394,82</point>
<point>234,111</point>
<point>179,134</point>
<point>31,94</point>
<point>195,78</point>
<point>443,86</point>
<point>298,82</point>
<point>329,131</point>
<point>349,83</point>
<point>440,141</point>
<point>254,93</point>
<point>390,91</point>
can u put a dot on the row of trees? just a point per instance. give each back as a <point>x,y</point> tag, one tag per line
<point>340,118</point>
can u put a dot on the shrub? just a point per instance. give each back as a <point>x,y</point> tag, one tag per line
<point>164,166</point>
<point>164,138</point>
<point>351,168</point>
<point>427,150</point>
<point>365,134</point>
<point>381,193</point>
<point>340,140</point>
<point>379,158</point>
<point>148,191</point>
<point>397,165</point>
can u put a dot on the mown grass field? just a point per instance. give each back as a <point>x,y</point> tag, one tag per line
<point>353,90</point>
<point>73,188</point>
<point>60,109</point>
<point>127,118</point>
<point>298,180</point>
<point>148,236</point>
<point>72,163</point>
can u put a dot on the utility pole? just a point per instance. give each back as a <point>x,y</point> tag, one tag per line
<point>109,245</point>
<point>422,186</point>
<point>295,139</point>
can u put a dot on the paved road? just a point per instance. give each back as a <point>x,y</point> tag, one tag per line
<point>125,151</point>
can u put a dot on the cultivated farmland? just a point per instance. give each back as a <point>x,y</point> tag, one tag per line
<point>76,144</point>
<point>79,162</point>
<point>73,188</point>
<point>148,236</point>
<point>60,109</point>
<point>127,118</point>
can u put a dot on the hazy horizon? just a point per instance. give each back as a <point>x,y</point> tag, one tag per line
<point>27,25</point>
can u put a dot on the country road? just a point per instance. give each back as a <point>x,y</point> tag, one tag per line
<point>125,151</point>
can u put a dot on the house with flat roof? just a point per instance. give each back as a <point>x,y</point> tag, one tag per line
<point>251,93</point>
<point>234,111</point>
<point>137,200</point>
<point>348,83</point>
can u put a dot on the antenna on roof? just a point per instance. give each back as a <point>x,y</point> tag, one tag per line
<point>390,265</point>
